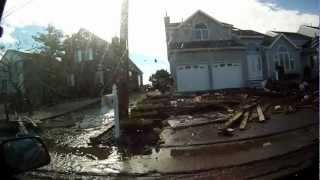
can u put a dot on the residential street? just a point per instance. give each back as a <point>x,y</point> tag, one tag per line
<point>159,90</point>
<point>73,155</point>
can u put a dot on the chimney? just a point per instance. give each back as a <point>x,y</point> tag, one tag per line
<point>166,19</point>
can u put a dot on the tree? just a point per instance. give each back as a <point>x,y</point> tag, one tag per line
<point>50,50</point>
<point>161,80</point>
<point>50,42</point>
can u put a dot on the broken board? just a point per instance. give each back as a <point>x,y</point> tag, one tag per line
<point>260,114</point>
<point>244,120</point>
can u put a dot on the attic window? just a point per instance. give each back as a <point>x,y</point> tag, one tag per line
<point>200,32</point>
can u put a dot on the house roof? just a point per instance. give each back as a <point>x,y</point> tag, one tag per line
<point>313,43</point>
<point>205,44</point>
<point>267,40</point>
<point>205,14</point>
<point>241,32</point>
<point>314,27</point>
<point>271,41</point>
<point>293,35</point>
<point>133,66</point>
<point>25,55</point>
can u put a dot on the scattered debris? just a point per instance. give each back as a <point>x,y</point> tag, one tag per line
<point>226,131</point>
<point>233,119</point>
<point>244,120</point>
<point>266,144</point>
<point>260,113</point>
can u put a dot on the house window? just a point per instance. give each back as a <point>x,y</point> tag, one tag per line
<point>90,54</point>
<point>284,59</point>
<point>78,55</point>
<point>200,32</point>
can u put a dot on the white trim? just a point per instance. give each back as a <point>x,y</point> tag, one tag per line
<point>194,29</point>
<point>279,36</point>
<point>290,59</point>
<point>207,49</point>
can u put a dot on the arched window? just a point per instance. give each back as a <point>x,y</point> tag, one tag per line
<point>200,32</point>
<point>284,59</point>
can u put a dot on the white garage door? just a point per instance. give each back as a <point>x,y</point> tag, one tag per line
<point>192,77</point>
<point>226,75</point>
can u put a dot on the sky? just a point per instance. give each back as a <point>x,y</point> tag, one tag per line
<point>24,18</point>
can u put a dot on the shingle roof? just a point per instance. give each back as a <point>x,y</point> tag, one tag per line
<point>173,24</point>
<point>204,44</point>
<point>297,38</point>
<point>293,35</point>
<point>241,32</point>
<point>267,40</point>
<point>314,27</point>
<point>134,67</point>
<point>314,43</point>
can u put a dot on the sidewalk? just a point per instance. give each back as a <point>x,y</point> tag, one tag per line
<point>62,109</point>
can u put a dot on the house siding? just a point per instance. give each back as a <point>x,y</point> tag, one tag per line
<point>185,33</point>
<point>180,39</point>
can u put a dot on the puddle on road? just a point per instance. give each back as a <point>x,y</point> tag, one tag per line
<point>71,150</point>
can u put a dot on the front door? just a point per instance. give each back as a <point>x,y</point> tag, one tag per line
<point>254,67</point>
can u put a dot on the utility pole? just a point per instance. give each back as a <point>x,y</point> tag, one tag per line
<point>123,94</point>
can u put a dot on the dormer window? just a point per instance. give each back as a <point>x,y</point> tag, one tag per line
<point>200,32</point>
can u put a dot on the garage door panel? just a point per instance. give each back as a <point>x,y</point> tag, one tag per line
<point>192,77</point>
<point>226,75</point>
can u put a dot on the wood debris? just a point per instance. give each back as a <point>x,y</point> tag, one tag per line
<point>260,114</point>
<point>233,119</point>
<point>244,120</point>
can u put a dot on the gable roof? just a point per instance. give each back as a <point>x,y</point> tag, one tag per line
<point>23,55</point>
<point>298,39</point>
<point>134,67</point>
<point>271,41</point>
<point>205,14</point>
<point>293,35</point>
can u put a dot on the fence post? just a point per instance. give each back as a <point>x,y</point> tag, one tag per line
<point>116,112</point>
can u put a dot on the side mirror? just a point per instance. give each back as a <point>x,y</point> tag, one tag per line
<point>23,154</point>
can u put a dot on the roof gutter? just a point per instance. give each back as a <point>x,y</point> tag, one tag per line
<point>208,49</point>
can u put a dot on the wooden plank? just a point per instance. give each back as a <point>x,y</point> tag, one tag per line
<point>260,114</point>
<point>31,121</point>
<point>233,119</point>
<point>22,128</point>
<point>244,120</point>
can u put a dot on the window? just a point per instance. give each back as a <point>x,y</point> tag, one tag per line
<point>78,55</point>
<point>90,54</point>
<point>284,59</point>
<point>200,32</point>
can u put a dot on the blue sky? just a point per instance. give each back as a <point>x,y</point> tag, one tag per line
<point>146,27</point>
<point>304,6</point>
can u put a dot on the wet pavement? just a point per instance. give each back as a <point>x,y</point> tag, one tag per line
<point>208,134</point>
<point>73,154</point>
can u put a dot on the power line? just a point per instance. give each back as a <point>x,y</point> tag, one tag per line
<point>15,9</point>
